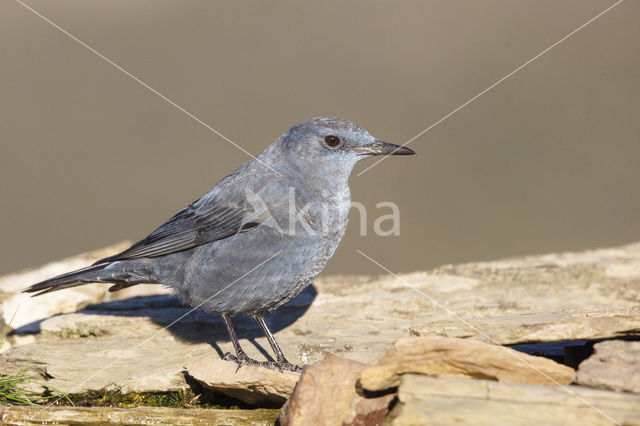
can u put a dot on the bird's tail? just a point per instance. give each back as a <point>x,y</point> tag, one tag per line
<point>90,274</point>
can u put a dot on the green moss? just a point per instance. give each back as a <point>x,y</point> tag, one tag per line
<point>174,399</point>
<point>266,415</point>
<point>75,333</point>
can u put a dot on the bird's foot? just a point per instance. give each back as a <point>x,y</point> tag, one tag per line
<point>243,360</point>
<point>287,366</point>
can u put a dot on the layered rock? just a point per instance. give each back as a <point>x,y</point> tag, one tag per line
<point>444,401</point>
<point>440,356</point>
<point>142,340</point>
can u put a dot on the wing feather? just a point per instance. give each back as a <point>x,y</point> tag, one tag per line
<point>202,222</point>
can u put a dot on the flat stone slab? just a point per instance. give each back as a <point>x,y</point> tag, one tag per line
<point>568,296</point>
<point>253,385</point>
<point>447,400</point>
<point>446,356</point>
<point>109,343</point>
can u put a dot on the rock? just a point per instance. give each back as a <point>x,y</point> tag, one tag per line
<point>448,400</point>
<point>114,340</point>
<point>19,340</point>
<point>5,346</point>
<point>514,301</point>
<point>134,416</point>
<point>253,385</point>
<point>445,356</point>
<point>326,395</point>
<point>368,410</point>
<point>135,364</point>
<point>615,365</point>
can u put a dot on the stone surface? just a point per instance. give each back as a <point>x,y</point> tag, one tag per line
<point>105,364</point>
<point>114,340</point>
<point>135,416</point>
<point>448,400</point>
<point>614,365</point>
<point>253,385</point>
<point>445,356</point>
<point>326,395</point>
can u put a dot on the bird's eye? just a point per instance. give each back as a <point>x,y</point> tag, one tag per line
<point>332,141</point>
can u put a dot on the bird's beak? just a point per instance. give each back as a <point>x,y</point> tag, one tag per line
<point>384,148</point>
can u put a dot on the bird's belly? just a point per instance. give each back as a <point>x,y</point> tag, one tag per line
<point>254,272</point>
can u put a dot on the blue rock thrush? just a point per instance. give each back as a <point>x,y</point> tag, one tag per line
<point>258,238</point>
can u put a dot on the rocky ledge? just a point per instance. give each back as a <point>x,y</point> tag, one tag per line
<point>482,343</point>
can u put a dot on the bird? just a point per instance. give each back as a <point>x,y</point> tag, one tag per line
<point>257,239</point>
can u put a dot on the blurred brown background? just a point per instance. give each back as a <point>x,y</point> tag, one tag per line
<point>546,161</point>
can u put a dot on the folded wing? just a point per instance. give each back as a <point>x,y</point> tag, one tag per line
<point>202,222</point>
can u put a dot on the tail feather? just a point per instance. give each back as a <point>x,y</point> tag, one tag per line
<point>90,274</point>
<point>68,280</point>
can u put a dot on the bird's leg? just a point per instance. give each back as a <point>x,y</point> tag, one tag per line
<point>241,358</point>
<point>282,362</point>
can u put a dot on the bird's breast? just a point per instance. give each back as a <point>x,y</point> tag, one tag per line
<point>327,214</point>
<point>308,212</point>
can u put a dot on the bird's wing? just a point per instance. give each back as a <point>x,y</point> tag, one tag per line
<point>202,222</point>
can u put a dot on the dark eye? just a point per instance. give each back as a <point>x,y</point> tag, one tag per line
<point>332,141</point>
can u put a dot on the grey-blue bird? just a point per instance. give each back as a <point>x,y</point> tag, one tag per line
<point>258,237</point>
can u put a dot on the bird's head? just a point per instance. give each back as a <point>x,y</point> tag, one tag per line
<point>330,145</point>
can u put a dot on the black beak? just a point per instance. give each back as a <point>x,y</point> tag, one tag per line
<point>384,148</point>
